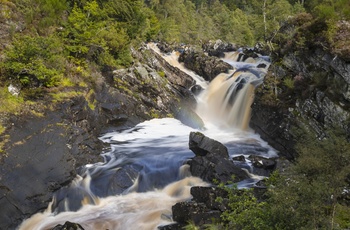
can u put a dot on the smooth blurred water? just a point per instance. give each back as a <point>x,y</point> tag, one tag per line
<point>144,173</point>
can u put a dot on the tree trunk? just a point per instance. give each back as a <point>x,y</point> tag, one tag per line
<point>264,15</point>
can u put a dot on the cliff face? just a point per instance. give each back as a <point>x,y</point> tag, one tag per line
<point>306,87</point>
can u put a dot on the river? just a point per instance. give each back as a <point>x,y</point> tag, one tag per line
<point>144,172</point>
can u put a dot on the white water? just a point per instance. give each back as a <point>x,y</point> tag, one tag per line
<point>157,150</point>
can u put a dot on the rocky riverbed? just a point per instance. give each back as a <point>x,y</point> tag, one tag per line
<point>44,153</point>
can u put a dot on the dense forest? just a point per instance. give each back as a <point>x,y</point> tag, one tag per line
<point>53,42</point>
<point>52,45</point>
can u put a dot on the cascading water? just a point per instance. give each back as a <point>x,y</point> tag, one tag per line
<point>143,173</point>
<point>226,101</point>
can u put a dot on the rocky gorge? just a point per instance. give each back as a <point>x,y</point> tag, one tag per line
<point>65,138</point>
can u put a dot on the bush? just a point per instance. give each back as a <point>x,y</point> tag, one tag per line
<point>33,61</point>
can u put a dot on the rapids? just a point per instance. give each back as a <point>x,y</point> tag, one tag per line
<point>151,157</point>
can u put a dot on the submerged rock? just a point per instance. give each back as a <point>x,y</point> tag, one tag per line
<point>68,226</point>
<point>262,166</point>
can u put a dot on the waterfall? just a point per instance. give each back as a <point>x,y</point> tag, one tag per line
<point>226,102</point>
<point>143,173</point>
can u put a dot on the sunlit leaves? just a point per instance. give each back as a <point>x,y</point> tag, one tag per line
<point>34,61</point>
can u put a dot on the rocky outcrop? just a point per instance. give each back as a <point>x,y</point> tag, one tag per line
<point>317,96</point>
<point>212,162</point>
<point>206,66</point>
<point>42,155</point>
<point>218,48</point>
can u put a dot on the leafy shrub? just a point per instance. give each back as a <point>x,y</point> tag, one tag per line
<point>33,61</point>
<point>245,211</point>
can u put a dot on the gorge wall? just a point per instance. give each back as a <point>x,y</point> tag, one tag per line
<point>307,87</point>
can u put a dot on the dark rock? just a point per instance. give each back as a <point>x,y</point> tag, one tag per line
<point>213,168</point>
<point>39,163</point>
<point>206,66</point>
<point>260,163</point>
<point>320,98</point>
<point>202,145</point>
<point>271,124</point>
<point>212,162</point>
<point>262,166</point>
<point>174,226</point>
<point>218,48</point>
<point>209,195</point>
<point>183,212</point>
<point>196,89</point>
<point>164,47</point>
<point>68,226</point>
<point>240,158</point>
<point>193,212</point>
<point>261,65</point>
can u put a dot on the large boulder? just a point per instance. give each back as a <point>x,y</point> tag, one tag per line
<point>197,213</point>
<point>209,196</point>
<point>201,145</point>
<point>212,162</point>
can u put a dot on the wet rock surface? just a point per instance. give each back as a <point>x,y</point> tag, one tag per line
<point>68,226</point>
<point>212,162</point>
<point>40,160</point>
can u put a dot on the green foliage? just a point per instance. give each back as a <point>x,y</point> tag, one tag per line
<point>41,15</point>
<point>289,82</point>
<point>245,211</point>
<point>102,31</point>
<point>33,61</point>
<point>307,195</point>
<point>9,103</point>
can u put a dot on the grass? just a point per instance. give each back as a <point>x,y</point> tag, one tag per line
<point>61,96</point>
<point>10,103</point>
<point>2,129</point>
<point>289,82</point>
<point>91,100</point>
